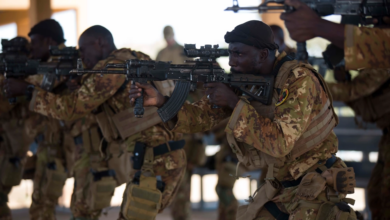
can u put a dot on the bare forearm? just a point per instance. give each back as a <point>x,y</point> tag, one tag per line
<point>331,31</point>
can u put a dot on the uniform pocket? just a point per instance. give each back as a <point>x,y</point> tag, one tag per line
<point>311,186</point>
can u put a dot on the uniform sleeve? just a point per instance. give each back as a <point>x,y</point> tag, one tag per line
<point>94,91</point>
<point>367,82</point>
<point>199,117</point>
<point>366,47</point>
<point>277,137</point>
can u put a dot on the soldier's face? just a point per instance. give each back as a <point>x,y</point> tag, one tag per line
<point>243,59</point>
<point>40,47</point>
<point>90,51</point>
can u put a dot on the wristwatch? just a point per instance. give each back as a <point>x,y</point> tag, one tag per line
<point>29,91</point>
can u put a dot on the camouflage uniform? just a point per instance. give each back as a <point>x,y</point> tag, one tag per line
<point>97,90</point>
<point>53,159</point>
<point>14,144</point>
<point>277,138</point>
<point>195,153</point>
<point>194,148</point>
<point>366,47</point>
<point>360,94</point>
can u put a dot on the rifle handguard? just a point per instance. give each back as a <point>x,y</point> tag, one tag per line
<point>175,102</point>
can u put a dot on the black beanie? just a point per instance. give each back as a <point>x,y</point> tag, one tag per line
<point>49,28</point>
<point>253,33</point>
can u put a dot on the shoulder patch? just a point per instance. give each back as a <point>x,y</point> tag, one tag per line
<point>300,72</point>
<point>283,97</point>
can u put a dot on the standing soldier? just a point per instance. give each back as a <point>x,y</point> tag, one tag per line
<point>368,94</point>
<point>173,52</point>
<point>194,148</point>
<point>293,136</point>
<point>159,159</point>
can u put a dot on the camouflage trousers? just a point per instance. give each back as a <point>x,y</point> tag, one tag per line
<point>83,179</point>
<point>379,184</point>
<point>49,179</point>
<point>5,211</point>
<point>227,206</point>
<point>171,167</point>
<point>181,205</point>
<point>322,207</point>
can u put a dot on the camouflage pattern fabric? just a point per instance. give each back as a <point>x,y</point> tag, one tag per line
<point>83,178</point>
<point>94,91</point>
<point>171,167</point>
<point>275,137</point>
<point>181,204</point>
<point>195,153</point>
<point>50,150</point>
<point>16,115</point>
<point>228,204</point>
<point>366,47</point>
<point>368,82</point>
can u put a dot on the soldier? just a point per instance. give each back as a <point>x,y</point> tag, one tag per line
<point>14,141</point>
<point>51,167</point>
<point>194,148</point>
<point>173,51</point>
<point>82,138</point>
<point>279,40</point>
<point>106,96</point>
<point>368,95</point>
<point>293,136</point>
<point>304,24</point>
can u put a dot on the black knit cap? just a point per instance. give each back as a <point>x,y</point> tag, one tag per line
<point>49,28</point>
<point>253,33</point>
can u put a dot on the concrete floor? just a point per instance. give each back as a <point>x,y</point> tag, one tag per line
<point>22,214</point>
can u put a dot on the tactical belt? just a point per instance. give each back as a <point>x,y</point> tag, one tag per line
<point>140,148</point>
<point>329,163</point>
<point>273,208</point>
<point>164,148</point>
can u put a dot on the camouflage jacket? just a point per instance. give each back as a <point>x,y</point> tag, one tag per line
<point>364,85</point>
<point>94,91</point>
<point>366,47</point>
<point>276,137</point>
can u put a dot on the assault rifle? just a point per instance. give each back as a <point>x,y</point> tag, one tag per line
<point>203,69</point>
<point>366,10</point>
<point>61,63</point>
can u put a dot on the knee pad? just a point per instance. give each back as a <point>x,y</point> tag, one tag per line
<point>142,198</point>
<point>101,189</point>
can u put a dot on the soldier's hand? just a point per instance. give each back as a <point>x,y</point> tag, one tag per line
<point>152,97</point>
<point>221,95</point>
<point>302,23</point>
<point>15,87</point>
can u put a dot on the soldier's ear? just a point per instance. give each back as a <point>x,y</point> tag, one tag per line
<point>263,54</point>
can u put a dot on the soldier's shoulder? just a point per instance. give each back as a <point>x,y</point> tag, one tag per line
<point>140,55</point>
